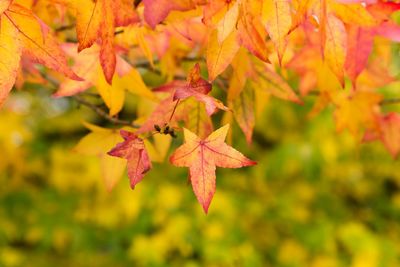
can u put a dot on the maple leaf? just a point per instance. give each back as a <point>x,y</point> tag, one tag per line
<point>355,14</point>
<point>335,47</point>
<point>162,115</point>
<point>97,20</point>
<point>272,83</point>
<point>212,8</point>
<point>196,87</point>
<point>243,107</point>
<point>87,65</point>
<point>220,55</point>
<point>133,150</point>
<point>359,46</point>
<point>227,24</point>
<point>97,143</point>
<point>381,10</point>
<point>306,63</point>
<point>388,133</point>
<point>156,11</point>
<point>241,94</point>
<point>278,20</point>
<point>202,156</point>
<point>196,118</point>
<point>252,35</point>
<point>360,39</point>
<point>22,33</point>
<point>357,111</point>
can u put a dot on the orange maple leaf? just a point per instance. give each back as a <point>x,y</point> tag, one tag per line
<point>133,150</point>
<point>156,11</point>
<point>22,33</point>
<point>388,133</point>
<point>97,20</point>
<point>202,156</point>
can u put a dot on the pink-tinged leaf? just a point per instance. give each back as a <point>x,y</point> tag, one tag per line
<point>196,87</point>
<point>107,53</point>
<point>202,156</point>
<point>188,90</point>
<point>278,21</point>
<point>38,44</point>
<point>85,65</point>
<point>356,1</point>
<point>382,10</point>
<point>322,23</point>
<point>10,54</point>
<point>335,46</point>
<point>359,47</point>
<point>156,11</point>
<point>388,30</point>
<point>212,104</point>
<point>133,150</point>
<point>170,87</point>
<point>192,29</point>
<point>305,63</point>
<point>390,132</point>
<point>161,115</point>
<point>124,13</point>
<point>212,8</point>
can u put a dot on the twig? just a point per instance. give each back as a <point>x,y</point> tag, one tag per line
<point>102,113</point>
<point>64,28</point>
<point>136,3</point>
<point>118,32</point>
<point>390,101</point>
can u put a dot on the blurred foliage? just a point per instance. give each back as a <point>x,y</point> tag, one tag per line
<point>316,198</point>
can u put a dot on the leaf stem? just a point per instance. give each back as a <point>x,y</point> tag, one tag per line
<point>173,111</point>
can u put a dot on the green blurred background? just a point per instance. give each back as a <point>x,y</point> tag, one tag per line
<point>317,198</point>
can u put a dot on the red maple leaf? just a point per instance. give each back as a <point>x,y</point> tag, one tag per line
<point>133,150</point>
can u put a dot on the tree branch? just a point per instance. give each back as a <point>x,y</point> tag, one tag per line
<point>65,27</point>
<point>390,101</point>
<point>103,113</point>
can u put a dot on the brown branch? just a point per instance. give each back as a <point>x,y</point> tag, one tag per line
<point>390,101</point>
<point>65,28</point>
<point>118,32</point>
<point>136,3</point>
<point>99,111</point>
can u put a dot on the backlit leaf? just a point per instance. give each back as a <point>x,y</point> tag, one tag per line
<point>133,150</point>
<point>202,156</point>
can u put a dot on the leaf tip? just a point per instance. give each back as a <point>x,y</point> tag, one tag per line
<point>75,77</point>
<point>249,162</point>
<point>206,205</point>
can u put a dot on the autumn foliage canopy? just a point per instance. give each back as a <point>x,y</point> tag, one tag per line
<point>216,62</point>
